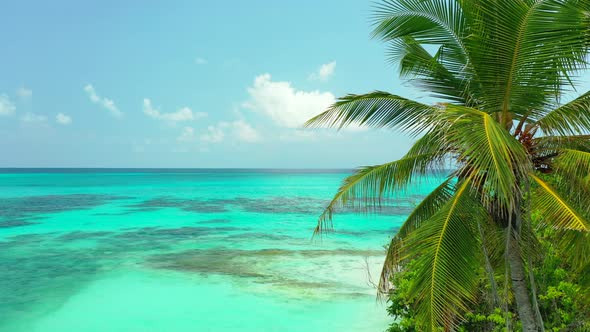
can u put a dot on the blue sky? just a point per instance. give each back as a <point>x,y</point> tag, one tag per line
<point>187,83</point>
<point>173,84</point>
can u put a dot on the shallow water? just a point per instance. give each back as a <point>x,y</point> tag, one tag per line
<point>201,250</point>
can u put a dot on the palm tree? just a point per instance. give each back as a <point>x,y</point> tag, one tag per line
<point>499,69</point>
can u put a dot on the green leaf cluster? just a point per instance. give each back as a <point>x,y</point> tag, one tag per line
<point>498,71</point>
<point>562,295</point>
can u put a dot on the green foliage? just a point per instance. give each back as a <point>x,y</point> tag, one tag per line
<point>401,300</point>
<point>442,280</point>
<point>563,298</point>
<point>499,73</point>
<point>562,295</point>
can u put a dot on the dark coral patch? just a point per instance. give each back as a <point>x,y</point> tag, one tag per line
<point>215,221</point>
<point>193,205</point>
<point>16,223</point>
<point>30,206</point>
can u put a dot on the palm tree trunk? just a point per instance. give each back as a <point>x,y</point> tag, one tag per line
<point>520,289</point>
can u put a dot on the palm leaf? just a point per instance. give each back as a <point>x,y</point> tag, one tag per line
<point>368,185</point>
<point>433,22</point>
<point>556,143</point>
<point>429,22</point>
<point>572,118</point>
<point>445,281</point>
<point>491,156</point>
<point>521,64</point>
<point>421,213</point>
<point>575,247</point>
<point>376,109</point>
<point>429,72</point>
<point>555,210</point>
<point>574,162</point>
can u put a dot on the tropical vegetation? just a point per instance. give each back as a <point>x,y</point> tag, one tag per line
<point>480,246</point>
<point>563,298</point>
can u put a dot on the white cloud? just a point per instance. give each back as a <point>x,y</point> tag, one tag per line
<point>6,106</point>
<point>33,118</point>
<point>187,135</point>
<point>298,135</point>
<point>214,134</point>
<point>149,110</point>
<point>240,130</point>
<point>201,61</point>
<point>104,102</point>
<point>63,119</point>
<point>324,72</point>
<point>183,114</point>
<point>24,93</point>
<point>244,131</point>
<point>285,105</point>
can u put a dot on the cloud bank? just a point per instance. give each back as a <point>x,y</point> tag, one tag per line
<point>33,118</point>
<point>106,103</point>
<point>24,93</point>
<point>63,119</point>
<point>285,105</point>
<point>183,114</point>
<point>6,106</point>
<point>324,72</point>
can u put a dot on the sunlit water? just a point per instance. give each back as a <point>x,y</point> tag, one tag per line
<point>205,250</point>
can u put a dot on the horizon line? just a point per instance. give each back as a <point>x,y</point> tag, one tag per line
<point>12,170</point>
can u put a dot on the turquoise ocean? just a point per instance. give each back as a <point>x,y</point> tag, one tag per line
<point>188,250</point>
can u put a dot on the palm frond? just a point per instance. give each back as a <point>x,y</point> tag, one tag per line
<point>428,72</point>
<point>554,208</point>
<point>368,185</point>
<point>421,213</point>
<point>432,22</point>
<point>445,281</point>
<point>376,109</point>
<point>439,23</point>
<point>521,64</point>
<point>572,118</point>
<point>574,163</point>
<point>576,248</point>
<point>555,143</point>
<point>492,157</point>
